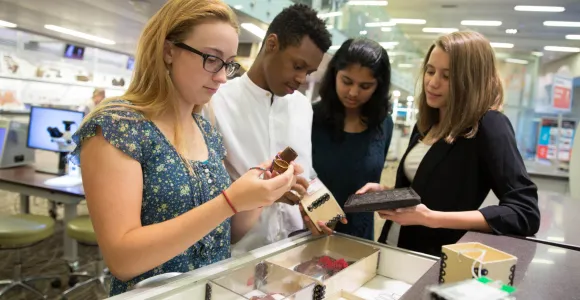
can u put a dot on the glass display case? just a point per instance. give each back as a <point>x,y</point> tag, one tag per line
<point>302,267</point>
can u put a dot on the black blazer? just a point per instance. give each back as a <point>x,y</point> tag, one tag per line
<point>458,177</point>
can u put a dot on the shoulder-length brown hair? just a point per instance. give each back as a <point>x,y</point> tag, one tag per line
<point>474,87</point>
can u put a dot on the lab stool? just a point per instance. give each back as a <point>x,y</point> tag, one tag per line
<point>22,231</point>
<point>81,230</point>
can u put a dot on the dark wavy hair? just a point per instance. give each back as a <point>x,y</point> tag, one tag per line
<point>366,53</point>
<point>295,22</point>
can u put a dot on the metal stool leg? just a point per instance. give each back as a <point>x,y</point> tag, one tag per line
<point>79,285</point>
<point>5,282</point>
<point>32,290</point>
<point>8,287</point>
<point>18,281</point>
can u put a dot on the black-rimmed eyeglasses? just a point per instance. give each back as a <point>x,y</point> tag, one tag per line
<point>212,63</point>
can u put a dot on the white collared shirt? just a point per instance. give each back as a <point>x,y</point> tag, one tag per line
<point>255,128</point>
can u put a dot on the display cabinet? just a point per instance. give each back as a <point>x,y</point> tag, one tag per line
<point>307,267</point>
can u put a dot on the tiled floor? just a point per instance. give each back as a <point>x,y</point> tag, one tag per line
<point>43,258</point>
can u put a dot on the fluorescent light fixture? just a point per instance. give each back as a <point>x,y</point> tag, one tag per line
<point>380,24</point>
<point>367,3</point>
<point>542,261</point>
<point>538,8</point>
<point>334,47</point>
<point>396,93</point>
<point>561,24</point>
<point>573,37</point>
<point>409,21</point>
<point>555,239</point>
<point>561,49</point>
<point>388,45</point>
<point>79,34</point>
<point>329,27</point>
<point>238,7</point>
<point>386,29</point>
<point>405,65</point>
<point>480,23</point>
<point>538,53</point>
<point>363,32</point>
<point>330,14</point>
<point>254,29</point>
<point>511,31</point>
<point>439,30</point>
<point>7,24</point>
<point>502,45</point>
<point>517,61</point>
<point>557,250</point>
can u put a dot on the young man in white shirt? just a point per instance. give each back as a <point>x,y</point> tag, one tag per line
<point>261,113</point>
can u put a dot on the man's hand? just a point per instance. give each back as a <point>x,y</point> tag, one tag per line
<point>296,193</point>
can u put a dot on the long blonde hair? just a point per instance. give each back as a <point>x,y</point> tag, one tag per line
<point>151,91</point>
<point>474,87</point>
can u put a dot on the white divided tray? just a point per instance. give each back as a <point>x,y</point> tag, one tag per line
<point>375,272</point>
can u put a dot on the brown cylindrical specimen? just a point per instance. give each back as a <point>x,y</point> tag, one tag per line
<point>280,166</point>
<point>288,155</point>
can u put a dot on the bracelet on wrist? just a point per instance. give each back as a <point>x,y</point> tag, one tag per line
<point>229,202</point>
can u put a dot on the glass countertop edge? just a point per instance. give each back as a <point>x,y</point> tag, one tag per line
<point>213,269</point>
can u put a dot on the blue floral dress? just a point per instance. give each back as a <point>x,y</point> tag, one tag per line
<point>168,188</point>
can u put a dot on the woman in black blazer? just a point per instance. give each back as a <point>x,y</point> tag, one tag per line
<point>461,148</point>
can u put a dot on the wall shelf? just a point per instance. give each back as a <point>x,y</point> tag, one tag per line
<point>61,82</point>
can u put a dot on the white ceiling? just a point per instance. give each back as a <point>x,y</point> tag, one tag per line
<point>532,35</point>
<point>117,20</point>
<point>123,20</point>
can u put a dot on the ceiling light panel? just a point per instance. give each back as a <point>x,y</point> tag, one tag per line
<point>480,23</point>
<point>537,8</point>
<point>389,45</point>
<point>380,24</point>
<point>330,14</point>
<point>502,45</point>
<point>573,37</point>
<point>254,29</point>
<point>79,34</point>
<point>439,30</point>
<point>562,49</point>
<point>7,24</point>
<point>517,61</point>
<point>561,24</point>
<point>409,21</point>
<point>367,3</point>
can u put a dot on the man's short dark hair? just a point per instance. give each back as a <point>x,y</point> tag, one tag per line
<point>297,21</point>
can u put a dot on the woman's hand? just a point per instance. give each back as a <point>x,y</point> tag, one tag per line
<point>250,192</point>
<point>372,187</point>
<point>416,215</point>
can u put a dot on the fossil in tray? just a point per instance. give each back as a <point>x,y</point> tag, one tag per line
<point>382,200</point>
<point>322,267</point>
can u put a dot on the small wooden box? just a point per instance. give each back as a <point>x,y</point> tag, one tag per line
<point>460,261</point>
<point>320,205</point>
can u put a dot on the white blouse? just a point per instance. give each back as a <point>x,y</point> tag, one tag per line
<point>410,166</point>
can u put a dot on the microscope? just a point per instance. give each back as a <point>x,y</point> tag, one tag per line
<point>62,139</point>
